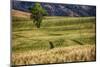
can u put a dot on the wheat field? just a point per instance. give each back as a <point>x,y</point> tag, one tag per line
<point>73,40</point>
<point>56,55</point>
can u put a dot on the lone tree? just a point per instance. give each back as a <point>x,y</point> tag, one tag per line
<point>37,13</point>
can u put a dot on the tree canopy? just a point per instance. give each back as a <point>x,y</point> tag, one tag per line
<point>37,12</point>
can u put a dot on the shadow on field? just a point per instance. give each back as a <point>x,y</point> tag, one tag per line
<point>80,43</point>
<point>24,29</point>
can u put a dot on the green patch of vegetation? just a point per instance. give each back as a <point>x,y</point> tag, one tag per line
<point>56,31</point>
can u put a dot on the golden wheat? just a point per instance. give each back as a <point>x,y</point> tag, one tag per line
<point>56,55</point>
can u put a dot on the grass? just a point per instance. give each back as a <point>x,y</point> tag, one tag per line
<point>73,34</point>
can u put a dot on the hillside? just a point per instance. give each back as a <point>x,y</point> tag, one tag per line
<point>18,13</point>
<point>73,40</point>
<point>54,9</point>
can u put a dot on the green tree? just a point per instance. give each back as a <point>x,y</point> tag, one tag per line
<point>37,14</point>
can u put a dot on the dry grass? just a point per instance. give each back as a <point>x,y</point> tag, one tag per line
<point>18,13</point>
<point>56,55</point>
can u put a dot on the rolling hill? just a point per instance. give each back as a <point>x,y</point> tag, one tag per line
<point>18,13</point>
